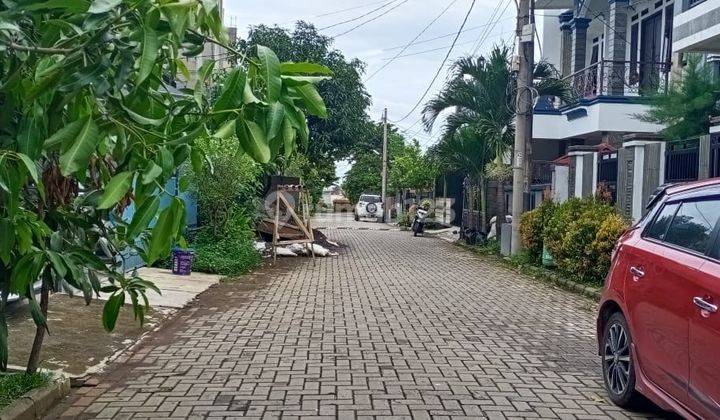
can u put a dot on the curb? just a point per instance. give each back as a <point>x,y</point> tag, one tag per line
<point>37,402</point>
<point>590,292</point>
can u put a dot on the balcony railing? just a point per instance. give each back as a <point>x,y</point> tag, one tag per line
<point>619,78</point>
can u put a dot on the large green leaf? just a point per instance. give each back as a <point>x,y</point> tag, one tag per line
<point>162,235</point>
<point>302,80</point>
<point>115,189</point>
<point>112,310</point>
<point>143,216</point>
<point>253,140</point>
<point>275,117</point>
<point>288,134</point>
<point>149,53</point>
<point>7,240</point>
<point>151,172</point>
<point>226,130</point>
<point>103,6</point>
<point>31,136</point>
<point>64,135</point>
<point>313,100</point>
<point>304,68</point>
<point>84,141</point>
<point>232,91</point>
<point>270,72</point>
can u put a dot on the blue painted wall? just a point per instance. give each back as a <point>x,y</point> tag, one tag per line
<point>129,258</point>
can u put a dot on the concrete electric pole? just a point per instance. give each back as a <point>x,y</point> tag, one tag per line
<point>524,114</point>
<point>386,211</point>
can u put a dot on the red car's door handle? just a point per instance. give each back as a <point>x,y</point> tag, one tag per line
<point>637,272</point>
<point>705,305</point>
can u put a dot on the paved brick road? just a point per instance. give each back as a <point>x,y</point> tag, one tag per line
<point>394,326</point>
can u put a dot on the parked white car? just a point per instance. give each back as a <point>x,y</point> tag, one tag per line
<point>369,206</point>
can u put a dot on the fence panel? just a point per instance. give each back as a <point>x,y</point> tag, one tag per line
<point>682,160</point>
<point>607,173</point>
<point>715,156</point>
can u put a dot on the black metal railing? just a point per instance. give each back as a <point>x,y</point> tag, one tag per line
<point>693,3</point>
<point>607,173</point>
<point>715,156</point>
<point>682,160</point>
<point>619,78</point>
<point>542,171</point>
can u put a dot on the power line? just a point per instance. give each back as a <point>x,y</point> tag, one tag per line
<point>425,41</point>
<point>413,40</point>
<point>447,46</point>
<point>442,65</point>
<point>490,29</point>
<point>349,9</point>
<point>358,17</point>
<point>371,20</point>
<point>491,20</point>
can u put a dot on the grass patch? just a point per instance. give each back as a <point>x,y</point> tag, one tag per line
<point>14,385</point>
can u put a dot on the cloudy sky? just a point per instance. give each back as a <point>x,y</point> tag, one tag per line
<point>383,34</point>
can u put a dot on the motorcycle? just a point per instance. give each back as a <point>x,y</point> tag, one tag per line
<point>418,224</point>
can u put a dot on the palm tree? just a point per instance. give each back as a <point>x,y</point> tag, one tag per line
<point>480,99</point>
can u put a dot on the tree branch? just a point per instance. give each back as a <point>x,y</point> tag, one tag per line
<point>44,50</point>
<point>220,44</point>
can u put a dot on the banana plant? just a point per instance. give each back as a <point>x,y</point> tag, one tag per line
<point>91,123</point>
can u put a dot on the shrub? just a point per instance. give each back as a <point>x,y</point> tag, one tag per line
<point>532,226</point>
<point>230,251</point>
<point>557,224</point>
<point>607,236</point>
<point>581,234</point>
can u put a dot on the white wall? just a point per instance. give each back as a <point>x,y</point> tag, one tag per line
<point>561,184</point>
<point>617,117</point>
<point>551,38</point>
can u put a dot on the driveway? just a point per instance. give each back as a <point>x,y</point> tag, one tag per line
<point>394,326</point>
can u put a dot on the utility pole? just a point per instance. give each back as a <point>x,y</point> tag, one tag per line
<point>524,114</point>
<point>384,167</point>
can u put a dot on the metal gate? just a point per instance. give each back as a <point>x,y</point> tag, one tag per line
<point>682,160</point>
<point>715,156</point>
<point>607,172</point>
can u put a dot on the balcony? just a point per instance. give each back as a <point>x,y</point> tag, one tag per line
<point>606,98</point>
<point>697,28</point>
<point>619,79</point>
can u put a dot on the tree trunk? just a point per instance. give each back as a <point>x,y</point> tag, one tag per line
<point>34,360</point>
<point>483,204</point>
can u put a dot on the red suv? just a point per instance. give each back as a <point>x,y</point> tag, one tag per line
<point>659,325</point>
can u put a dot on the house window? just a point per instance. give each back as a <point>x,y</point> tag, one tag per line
<point>634,36</point>
<point>669,10</point>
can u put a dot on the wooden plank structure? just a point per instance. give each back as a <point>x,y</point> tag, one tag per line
<point>305,234</point>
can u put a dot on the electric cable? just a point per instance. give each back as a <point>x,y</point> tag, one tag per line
<point>386,4</point>
<point>361,24</point>
<point>413,40</point>
<point>442,65</point>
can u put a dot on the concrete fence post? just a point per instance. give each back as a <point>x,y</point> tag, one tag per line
<point>641,164</point>
<point>582,169</point>
<point>704,152</point>
<point>560,183</point>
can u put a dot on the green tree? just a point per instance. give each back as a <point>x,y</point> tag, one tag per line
<point>479,101</point>
<point>365,173</point>
<point>412,169</point>
<point>89,126</point>
<point>686,109</point>
<point>334,137</point>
